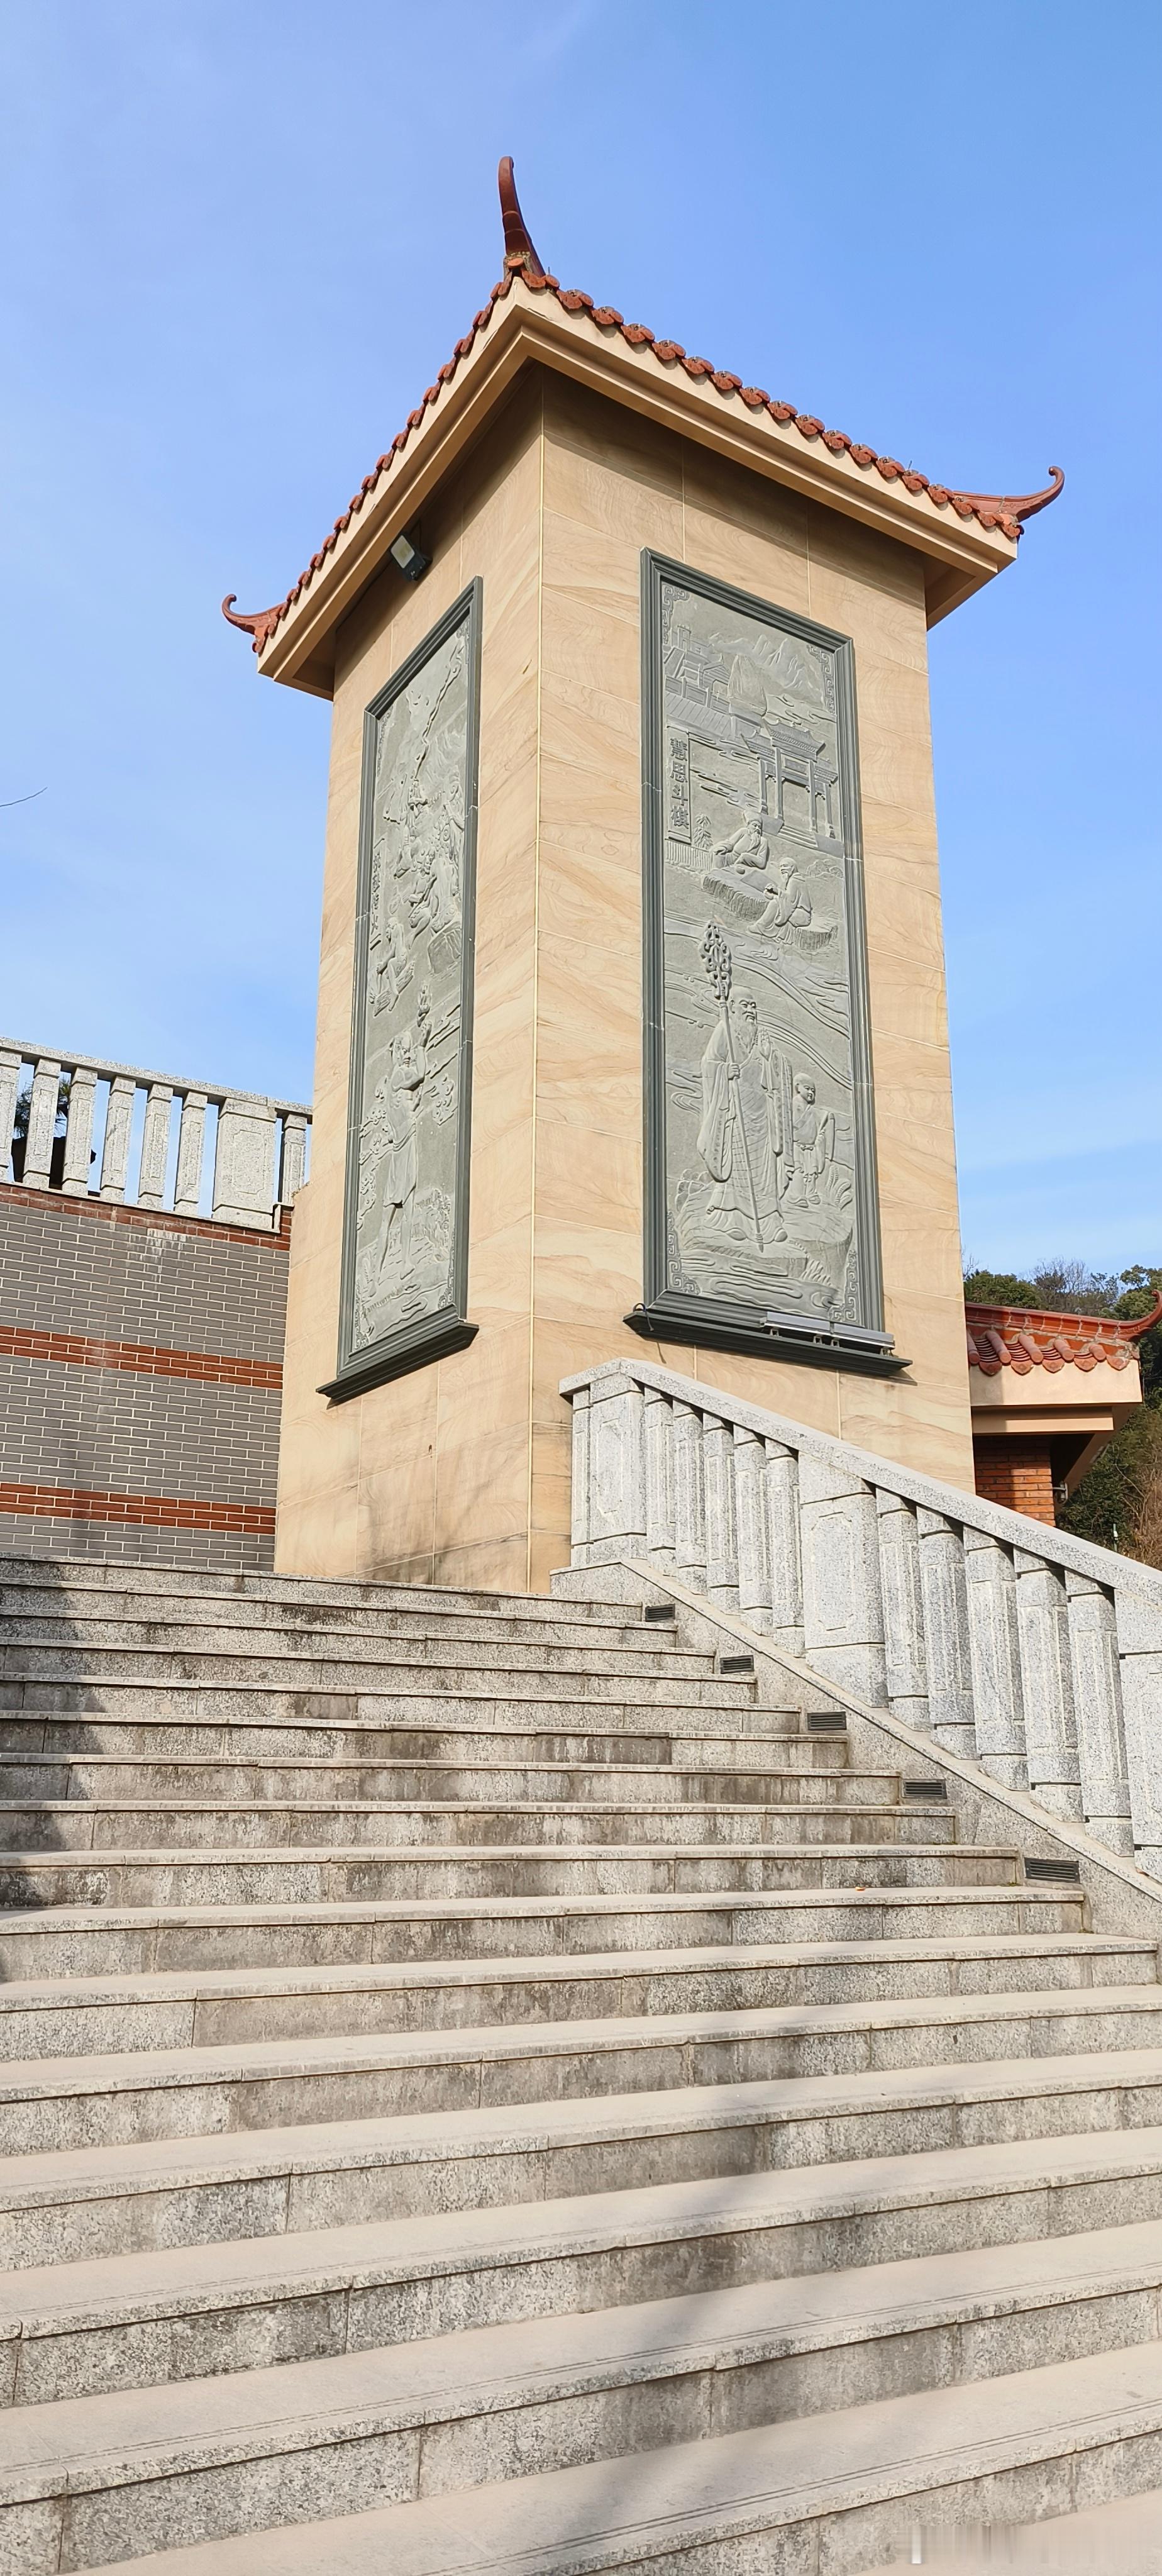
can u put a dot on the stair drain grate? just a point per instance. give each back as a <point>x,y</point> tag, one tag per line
<point>826,1721</point>
<point>736,1663</point>
<point>1067,1872</point>
<point>926,1789</point>
<point>658,1614</point>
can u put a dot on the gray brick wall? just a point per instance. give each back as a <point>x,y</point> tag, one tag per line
<point>188,1448</point>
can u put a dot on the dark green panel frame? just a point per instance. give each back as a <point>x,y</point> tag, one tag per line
<point>683,1313</point>
<point>418,1340</point>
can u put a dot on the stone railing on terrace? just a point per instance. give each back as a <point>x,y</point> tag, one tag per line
<point>120,1116</point>
<point>1030,1652</point>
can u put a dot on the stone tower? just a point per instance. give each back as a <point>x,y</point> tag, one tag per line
<point>631,1007</point>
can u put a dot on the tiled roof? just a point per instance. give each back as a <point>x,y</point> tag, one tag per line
<point>1005,511</point>
<point>1024,1338</point>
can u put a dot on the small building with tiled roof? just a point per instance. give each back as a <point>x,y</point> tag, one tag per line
<point>1048,1392</point>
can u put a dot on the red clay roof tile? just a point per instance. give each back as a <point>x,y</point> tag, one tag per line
<point>992,510</point>
<point>1024,1338</point>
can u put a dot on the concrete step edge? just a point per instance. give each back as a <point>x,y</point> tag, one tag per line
<point>707,2494</point>
<point>89,2442</point>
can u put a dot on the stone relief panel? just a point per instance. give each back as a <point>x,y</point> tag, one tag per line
<point>762,1096</point>
<point>408,1181</point>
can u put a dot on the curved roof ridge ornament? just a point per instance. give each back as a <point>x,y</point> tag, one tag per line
<point>258,626</point>
<point>1010,505</point>
<point>1132,1329</point>
<point>519,251</point>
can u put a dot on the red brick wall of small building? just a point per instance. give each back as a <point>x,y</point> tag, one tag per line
<point>1017,1473</point>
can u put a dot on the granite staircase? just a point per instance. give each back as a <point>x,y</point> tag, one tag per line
<point>481,2090</point>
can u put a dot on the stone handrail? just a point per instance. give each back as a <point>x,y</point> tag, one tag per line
<point>1031,1652</point>
<point>260,1145</point>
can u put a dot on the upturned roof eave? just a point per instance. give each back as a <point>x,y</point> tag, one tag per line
<point>529,328</point>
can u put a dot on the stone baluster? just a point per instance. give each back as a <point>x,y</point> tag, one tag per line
<point>658,1436</point>
<point>907,1663</point>
<point>191,1154</point>
<point>579,1502</point>
<point>843,1623</point>
<point>155,1145</point>
<point>1047,1685</point>
<point>1097,1704</point>
<point>750,1530</point>
<point>1139,1633</point>
<point>294,1155</point>
<point>783,1545</point>
<point>79,1132</point>
<point>42,1110</point>
<point>244,1162</point>
<point>9,1089</point>
<point>718,1488</point>
<point>118,1122</point>
<point>950,1709</point>
<point>995,1658</point>
<point>617,1484</point>
<point>689,1511</point>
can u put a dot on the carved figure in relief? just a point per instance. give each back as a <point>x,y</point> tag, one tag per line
<point>394,970</point>
<point>424,892</point>
<point>812,1141</point>
<point>404,1085</point>
<point>745,848</point>
<point>790,905</point>
<point>740,1138</point>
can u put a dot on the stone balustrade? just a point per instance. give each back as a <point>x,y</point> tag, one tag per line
<point>259,1145</point>
<point>1030,1652</point>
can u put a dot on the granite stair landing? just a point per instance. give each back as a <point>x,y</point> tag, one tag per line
<point>479,2089</point>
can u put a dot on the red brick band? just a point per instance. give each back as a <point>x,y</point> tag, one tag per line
<point>142,1511</point>
<point>155,1220</point>
<point>142,1359</point>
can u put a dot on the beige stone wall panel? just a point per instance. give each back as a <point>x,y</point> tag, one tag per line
<point>460,1474</point>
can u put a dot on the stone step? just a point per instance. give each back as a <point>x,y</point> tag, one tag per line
<point>423,2120</point>
<point>249,1734</point>
<point>183,2313</point>
<point>1126,2534</point>
<point>68,1577</point>
<point>496,1927</point>
<point>268,1836</point>
<point>84,1825</point>
<point>419,1676</point>
<point>557,1624</point>
<point>86,2479</point>
<point>430,2017</point>
<point>1036,2442</point>
<point>459,2153</point>
<point>76,1829</point>
<point>880,1849</point>
<point>356,1772</point>
<point>150,1940</point>
<point>648,1784</point>
<point>621,1705</point>
<point>413,1648</point>
<point>861,1848</point>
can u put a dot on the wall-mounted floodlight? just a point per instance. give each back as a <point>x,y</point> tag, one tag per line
<point>407,559</point>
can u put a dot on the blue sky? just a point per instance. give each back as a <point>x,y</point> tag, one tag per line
<point>241,238</point>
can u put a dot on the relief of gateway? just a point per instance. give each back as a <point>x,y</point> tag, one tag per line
<point>760,1080</point>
